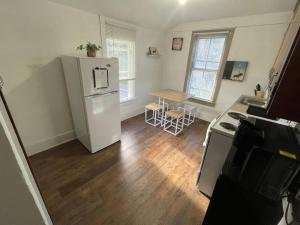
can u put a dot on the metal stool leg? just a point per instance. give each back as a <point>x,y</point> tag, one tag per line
<point>176,127</point>
<point>146,115</point>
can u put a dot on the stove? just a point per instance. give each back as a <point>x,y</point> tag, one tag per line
<point>237,116</point>
<point>228,123</point>
<point>228,126</point>
<point>218,143</point>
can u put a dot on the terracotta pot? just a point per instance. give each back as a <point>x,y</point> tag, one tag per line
<point>91,53</point>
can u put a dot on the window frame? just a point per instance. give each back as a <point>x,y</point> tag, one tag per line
<point>229,36</point>
<point>131,77</point>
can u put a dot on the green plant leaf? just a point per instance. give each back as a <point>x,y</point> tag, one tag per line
<point>90,47</point>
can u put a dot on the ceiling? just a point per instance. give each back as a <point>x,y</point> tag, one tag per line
<point>161,14</point>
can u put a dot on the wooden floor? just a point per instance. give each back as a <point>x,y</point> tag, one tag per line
<point>146,179</point>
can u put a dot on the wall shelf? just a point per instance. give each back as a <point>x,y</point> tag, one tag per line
<point>153,55</point>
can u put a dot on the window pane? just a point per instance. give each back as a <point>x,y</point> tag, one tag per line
<point>110,48</point>
<point>202,48</point>
<point>121,45</point>
<point>124,75</point>
<point>216,49</point>
<point>206,60</point>
<point>201,84</point>
<point>199,64</point>
<point>125,52</point>
<point>212,65</point>
<point>123,61</point>
<point>127,89</point>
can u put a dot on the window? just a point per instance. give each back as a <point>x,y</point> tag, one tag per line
<point>120,43</point>
<point>207,59</point>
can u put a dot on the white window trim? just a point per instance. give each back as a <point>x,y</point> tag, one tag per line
<point>133,97</point>
<point>229,32</point>
<point>125,100</point>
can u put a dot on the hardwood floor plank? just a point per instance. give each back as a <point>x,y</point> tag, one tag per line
<point>149,178</point>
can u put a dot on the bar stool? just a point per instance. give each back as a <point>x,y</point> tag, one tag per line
<point>189,113</point>
<point>156,110</point>
<point>165,108</point>
<point>174,119</point>
<point>188,109</point>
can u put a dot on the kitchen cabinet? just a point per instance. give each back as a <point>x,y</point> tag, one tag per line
<point>284,86</point>
<point>287,43</point>
<point>285,96</point>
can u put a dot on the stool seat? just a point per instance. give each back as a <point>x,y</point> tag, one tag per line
<point>153,106</point>
<point>156,111</point>
<point>174,121</point>
<point>174,114</point>
<point>189,113</point>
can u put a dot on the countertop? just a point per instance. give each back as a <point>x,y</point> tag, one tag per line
<point>240,108</point>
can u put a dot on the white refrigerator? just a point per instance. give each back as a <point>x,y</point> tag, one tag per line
<point>93,89</point>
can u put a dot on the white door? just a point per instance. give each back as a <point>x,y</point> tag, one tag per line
<point>99,75</point>
<point>103,117</point>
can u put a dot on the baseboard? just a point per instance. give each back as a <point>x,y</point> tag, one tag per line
<point>207,115</point>
<point>70,135</point>
<point>50,143</point>
<point>127,115</point>
<point>203,114</point>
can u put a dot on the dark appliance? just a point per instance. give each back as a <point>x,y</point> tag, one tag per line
<point>260,167</point>
<point>285,91</point>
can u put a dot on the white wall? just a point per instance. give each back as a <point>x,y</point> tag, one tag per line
<point>148,72</point>
<point>148,69</point>
<point>256,39</point>
<point>34,34</point>
<point>21,202</point>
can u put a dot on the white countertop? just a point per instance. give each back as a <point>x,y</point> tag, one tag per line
<point>239,108</point>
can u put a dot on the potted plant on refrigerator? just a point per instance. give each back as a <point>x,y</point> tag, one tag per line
<point>91,49</point>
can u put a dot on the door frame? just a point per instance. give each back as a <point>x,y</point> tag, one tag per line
<point>18,149</point>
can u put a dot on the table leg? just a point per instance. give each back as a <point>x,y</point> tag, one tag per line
<point>163,112</point>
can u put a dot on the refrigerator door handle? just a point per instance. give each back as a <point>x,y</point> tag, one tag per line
<point>101,94</point>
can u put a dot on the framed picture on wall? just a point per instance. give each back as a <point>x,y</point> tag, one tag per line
<point>177,44</point>
<point>235,70</point>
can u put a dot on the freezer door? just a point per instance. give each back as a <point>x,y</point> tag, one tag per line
<point>99,75</point>
<point>103,117</point>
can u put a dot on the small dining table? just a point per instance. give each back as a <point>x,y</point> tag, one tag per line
<point>171,95</point>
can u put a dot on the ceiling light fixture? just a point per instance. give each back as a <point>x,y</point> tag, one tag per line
<point>182,2</point>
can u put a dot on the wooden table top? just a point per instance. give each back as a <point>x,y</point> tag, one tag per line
<point>172,95</point>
